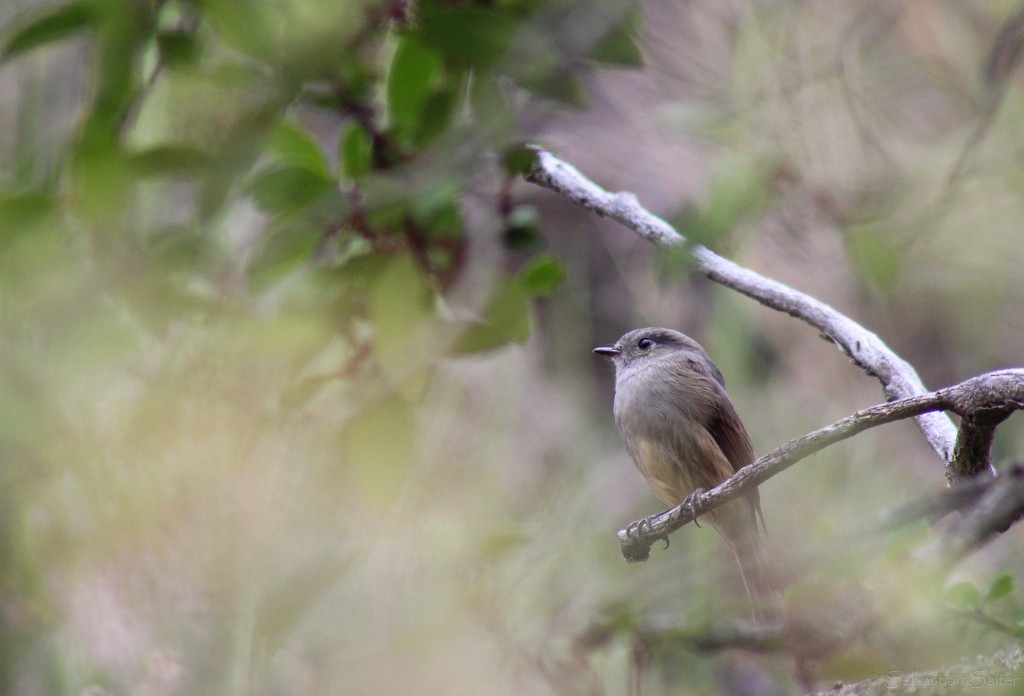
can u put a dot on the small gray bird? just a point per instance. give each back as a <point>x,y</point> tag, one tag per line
<point>684,435</point>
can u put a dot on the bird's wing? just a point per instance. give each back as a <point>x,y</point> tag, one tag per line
<point>728,432</point>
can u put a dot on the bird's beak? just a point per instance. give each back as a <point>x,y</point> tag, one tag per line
<point>607,351</point>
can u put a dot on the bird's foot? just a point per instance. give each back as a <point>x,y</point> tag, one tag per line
<point>638,529</point>
<point>692,503</point>
<point>643,528</point>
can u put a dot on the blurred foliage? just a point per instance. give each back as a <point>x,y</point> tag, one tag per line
<point>222,309</point>
<point>295,386</point>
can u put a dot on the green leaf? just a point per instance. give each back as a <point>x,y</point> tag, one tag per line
<point>437,116</point>
<point>435,196</point>
<point>738,188</point>
<point>416,72</point>
<point>506,320</point>
<point>542,275</point>
<point>355,150</point>
<point>518,159</point>
<point>102,178</point>
<point>293,145</point>
<point>285,189</point>
<point>620,47</point>
<point>280,252</point>
<point>468,36</point>
<point>46,26</point>
<point>521,228</point>
<point>501,543</point>
<point>300,393</point>
<point>20,210</point>
<point>380,449</point>
<point>386,200</point>
<point>492,111</point>
<point>177,48</point>
<point>28,216</point>
<point>877,256</point>
<point>169,160</point>
<point>676,260</point>
<point>561,86</point>
<point>401,308</point>
<point>963,594</point>
<point>520,238</point>
<point>443,220</point>
<point>1001,587</point>
<point>179,248</point>
<point>903,540</point>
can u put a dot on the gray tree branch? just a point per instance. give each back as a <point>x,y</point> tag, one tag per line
<point>988,393</point>
<point>1002,672</point>
<point>999,507</point>
<point>931,505</point>
<point>990,504</point>
<point>899,379</point>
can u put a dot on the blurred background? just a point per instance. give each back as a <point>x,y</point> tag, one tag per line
<point>296,391</point>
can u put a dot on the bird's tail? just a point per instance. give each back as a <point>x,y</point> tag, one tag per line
<point>760,582</point>
<point>738,526</point>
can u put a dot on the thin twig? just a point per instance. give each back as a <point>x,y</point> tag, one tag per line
<point>978,616</point>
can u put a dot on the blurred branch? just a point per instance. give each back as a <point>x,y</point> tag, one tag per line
<point>991,393</point>
<point>978,616</point>
<point>999,507</point>
<point>665,630</point>
<point>899,379</point>
<point>983,402</point>
<point>806,637</point>
<point>719,636</point>
<point>871,24</point>
<point>934,504</point>
<point>1003,60</point>
<point>1001,670</point>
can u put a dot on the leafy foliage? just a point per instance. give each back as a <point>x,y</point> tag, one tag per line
<point>264,268</point>
<point>253,227</point>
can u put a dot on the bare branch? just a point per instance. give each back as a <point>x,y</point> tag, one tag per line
<point>998,508</point>
<point>899,379</point>
<point>708,637</point>
<point>719,636</point>
<point>1003,61</point>
<point>991,402</point>
<point>1001,672</point>
<point>934,504</point>
<point>994,392</point>
<point>810,636</point>
<point>979,616</point>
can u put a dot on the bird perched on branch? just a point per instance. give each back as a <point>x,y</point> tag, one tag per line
<point>684,435</point>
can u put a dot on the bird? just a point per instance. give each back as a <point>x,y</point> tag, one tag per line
<point>684,435</point>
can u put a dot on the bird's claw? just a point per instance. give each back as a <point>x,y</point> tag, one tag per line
<point>636,529</point>
<point>692,503</point>
<point>643,527</point>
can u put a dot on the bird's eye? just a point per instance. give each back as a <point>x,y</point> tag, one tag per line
<point>644,344</point>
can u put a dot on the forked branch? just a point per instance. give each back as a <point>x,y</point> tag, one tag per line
<point>899,379</point>
<point>994,392</point>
